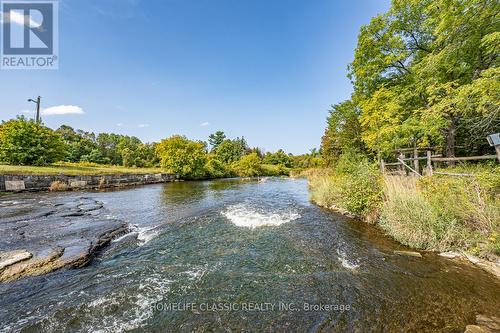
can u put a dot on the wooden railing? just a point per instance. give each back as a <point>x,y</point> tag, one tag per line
<point>415,169</point>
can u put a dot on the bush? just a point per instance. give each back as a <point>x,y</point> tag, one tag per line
<point>215,168</point>
<point>24,142</point>
<point>274,170</point>
<point>353,185</point>
<point>182,157</point>
<point>248,166</point>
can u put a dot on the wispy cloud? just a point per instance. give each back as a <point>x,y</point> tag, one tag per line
<point>205,124</point>
<point>119,124</point>
<point>143,125</point>
<point>62,110</point>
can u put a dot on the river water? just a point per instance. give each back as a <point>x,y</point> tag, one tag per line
<point>234,255</point>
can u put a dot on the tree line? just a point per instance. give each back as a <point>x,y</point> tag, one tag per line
<point>24,142</point>
<point>424,74</point>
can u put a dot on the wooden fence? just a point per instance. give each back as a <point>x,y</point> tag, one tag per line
<point>411,165</point>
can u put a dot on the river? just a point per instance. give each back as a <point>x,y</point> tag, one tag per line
<point>235,255</point>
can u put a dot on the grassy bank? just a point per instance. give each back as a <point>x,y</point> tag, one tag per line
<point>73,169</point>
<point>430,213</point>
<point>77,169</point>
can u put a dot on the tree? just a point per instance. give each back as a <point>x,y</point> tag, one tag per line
<point>278,158</point>
<point>24,142</point>
<point>425,73</point>
<point>230,151</point>
<point>215,168</point>
<point>248,166</point>
<point>343,131</point>
<point>216,139</point>
<point>182,157</point>
<point>79,143</point>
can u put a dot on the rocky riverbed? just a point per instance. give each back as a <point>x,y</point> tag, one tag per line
<point>43,236</point>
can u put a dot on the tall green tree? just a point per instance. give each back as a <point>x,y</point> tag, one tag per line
<point>24,142</point>
<point>183,157</point>
<point>426,73</point>
<point>343,131</point>
<point>216,139</point>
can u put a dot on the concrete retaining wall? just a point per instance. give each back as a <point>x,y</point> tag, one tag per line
<point>15,183</point>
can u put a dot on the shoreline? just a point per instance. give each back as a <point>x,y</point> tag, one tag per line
<point>62,182</point>
<point>492,267</point>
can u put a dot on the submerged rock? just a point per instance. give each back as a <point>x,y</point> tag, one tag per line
<point>37,238</point>
<point>409,253</point>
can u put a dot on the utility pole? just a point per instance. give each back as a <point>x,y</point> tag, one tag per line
<point>37,102</point>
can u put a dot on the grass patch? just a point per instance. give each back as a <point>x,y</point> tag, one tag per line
<point>73,169</point>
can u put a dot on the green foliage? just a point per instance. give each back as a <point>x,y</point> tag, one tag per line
<point>443,213</point>
<point>248,166</point>
<point>182,157</point>
<point>216,139</point>
<point>426,73</point>
<point>343,131</point>
<point>229,151</point>
<point>274,170</point>
<point>352,185</point>
<point>277,158</point>
<point>215,168</point>
<point>23,142</point>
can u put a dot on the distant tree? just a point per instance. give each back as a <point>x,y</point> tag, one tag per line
<point>278,158</point>
<point>230,151</point>
<point>216,139</point>
<point>182,157</point>
<point>79,143</point>
<point>24,142</point>
<point>248,166</point>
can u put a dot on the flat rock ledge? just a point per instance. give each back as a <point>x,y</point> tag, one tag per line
<point>41,237</point>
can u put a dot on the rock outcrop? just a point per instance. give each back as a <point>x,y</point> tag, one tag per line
<point>41,237</point>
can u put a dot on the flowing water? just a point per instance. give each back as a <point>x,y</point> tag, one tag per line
<point>234,256</point>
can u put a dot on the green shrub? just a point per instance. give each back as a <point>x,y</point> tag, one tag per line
<point>215,168</point>
<point>353,185</point>
<point>182,157</point>
<point>248,166</point>
<point>24,142</point>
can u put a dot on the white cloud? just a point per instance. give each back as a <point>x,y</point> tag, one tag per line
<point>205,124</point>
<point>62,110</point>
<point>119,124</point>
<point>143,125</point>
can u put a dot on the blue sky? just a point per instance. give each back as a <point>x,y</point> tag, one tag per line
<point>267,70</point>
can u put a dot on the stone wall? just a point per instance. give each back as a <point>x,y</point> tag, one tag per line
<point>15,183</point>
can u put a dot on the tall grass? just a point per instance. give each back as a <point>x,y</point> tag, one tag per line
<point>350,187</point>
<point>433,213</point>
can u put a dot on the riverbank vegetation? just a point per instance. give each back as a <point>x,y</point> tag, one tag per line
<point>30,148</point>
<point>424,74</point>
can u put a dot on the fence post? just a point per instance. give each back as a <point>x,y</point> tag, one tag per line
<point>429,162</point>
<point>401,166</point>
<point>415,161</point>
<point>382,166</point>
